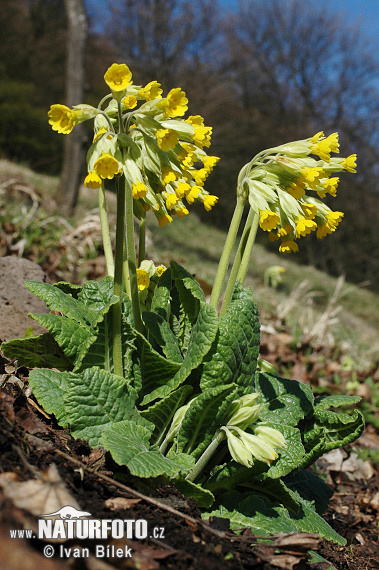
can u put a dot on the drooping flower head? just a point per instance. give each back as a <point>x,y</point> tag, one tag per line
<point>285,187</point>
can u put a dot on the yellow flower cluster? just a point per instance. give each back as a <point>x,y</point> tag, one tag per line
<point>286,186</point>
<point>143,136</point>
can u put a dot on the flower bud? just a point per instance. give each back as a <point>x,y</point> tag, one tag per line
<point>239,452</point>
<point>272,436</point>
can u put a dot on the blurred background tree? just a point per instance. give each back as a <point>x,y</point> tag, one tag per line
<point>261,74</point>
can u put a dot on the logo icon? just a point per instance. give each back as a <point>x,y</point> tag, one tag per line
<point>68,512</point>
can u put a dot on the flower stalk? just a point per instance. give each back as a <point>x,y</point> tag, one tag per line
<point>245,242</point>
<point>117,287</point>
<point>227,251</point>
<point>107,244</point>
<point>206,456</point>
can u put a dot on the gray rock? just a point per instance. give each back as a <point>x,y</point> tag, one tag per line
<point>15,300</point>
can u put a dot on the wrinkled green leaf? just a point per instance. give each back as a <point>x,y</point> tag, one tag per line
<point>129,445</point>
<point>284,401</point>
<point>203,418</point>
<point>37,351</point>
<point>200,343</point>
<point>233,357</point>
<point>160,414</point>
<point>203,497</point>
<point>49,387</point>
<point>74,338</point>
<point>163,335</point>
<point>95,399</point>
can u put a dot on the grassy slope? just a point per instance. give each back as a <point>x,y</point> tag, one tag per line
<point>198,246</point>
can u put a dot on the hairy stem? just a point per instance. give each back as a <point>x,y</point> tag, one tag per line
<point>237,263</point>
<point>248,249</point>
<point>119,258</point>
<point>142,240</point>
<point>107,244</point>
<point>224,260</point>
<point>132,263</point>
<point>205,457</point>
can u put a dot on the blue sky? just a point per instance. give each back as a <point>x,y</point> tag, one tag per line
<point>365,13</point>
<point>362,12</point>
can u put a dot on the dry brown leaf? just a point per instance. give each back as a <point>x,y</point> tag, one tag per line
<point>39,496</point>
<point>120,503</point>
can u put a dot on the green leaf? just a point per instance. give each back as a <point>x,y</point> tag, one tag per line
<point>163,335</point>
<point>233,357</point>
<point>190,292</point>
<point>69,288</point>
<point>266,517</point>
<point>203,418</point>
<point>98,296</point>
<point>203,335</point>
<point>95,399</point>
<point>277,491</point>
<point>203,497</point>
<point>326,402</point>
<point>289,458</point>
<point>72,337</point>
<point>284,401</point>
<point>49,387</point>
<point>37,351</point>
<point>311,487</point>
<point>129,445</point>
<point>61,302</point>
<point>161,413</point>
<point>161,298</point>
<point>329,430</point>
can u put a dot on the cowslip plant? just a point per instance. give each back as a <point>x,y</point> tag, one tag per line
<point>141,364</point>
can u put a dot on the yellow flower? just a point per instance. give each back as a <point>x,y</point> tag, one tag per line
<point>106,166</point>
<point>175,104</point>
<point>195,120</point>
<point>304,227</point>
<point>317,136</point>
<point>312,176</point>
<point>171,200</point>
<point>168,175</point>
<point>118,77</point>
<point>143,279</point>
<point>92,180</point>
<point>167,139</point>
<point>193,194</point>
<point>62,119</point>
<point>202,136</point>
<point>160,270</point>
<point>350,163</point>
<point>199,176</point>
<point>288,245</point>
<point>100,132</point>
<point>323,230</point>
<point>139,190</point>
<point>324,147</point>
<point>151,91</point>
<point>330,186</point>
<point>164,219</point>
<point>334,218</point>
<point>182,189</point>
<point>130,102</point>
<point>310,211</point>
<point>268,220</point>
<point>181,211</point>
<point>209,201</point>
<point>286,230</point>
<point>296,189</point>
<point>209,162</point>
<point>272,236</point>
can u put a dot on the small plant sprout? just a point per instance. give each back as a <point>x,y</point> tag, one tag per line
<point>142,365</point>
